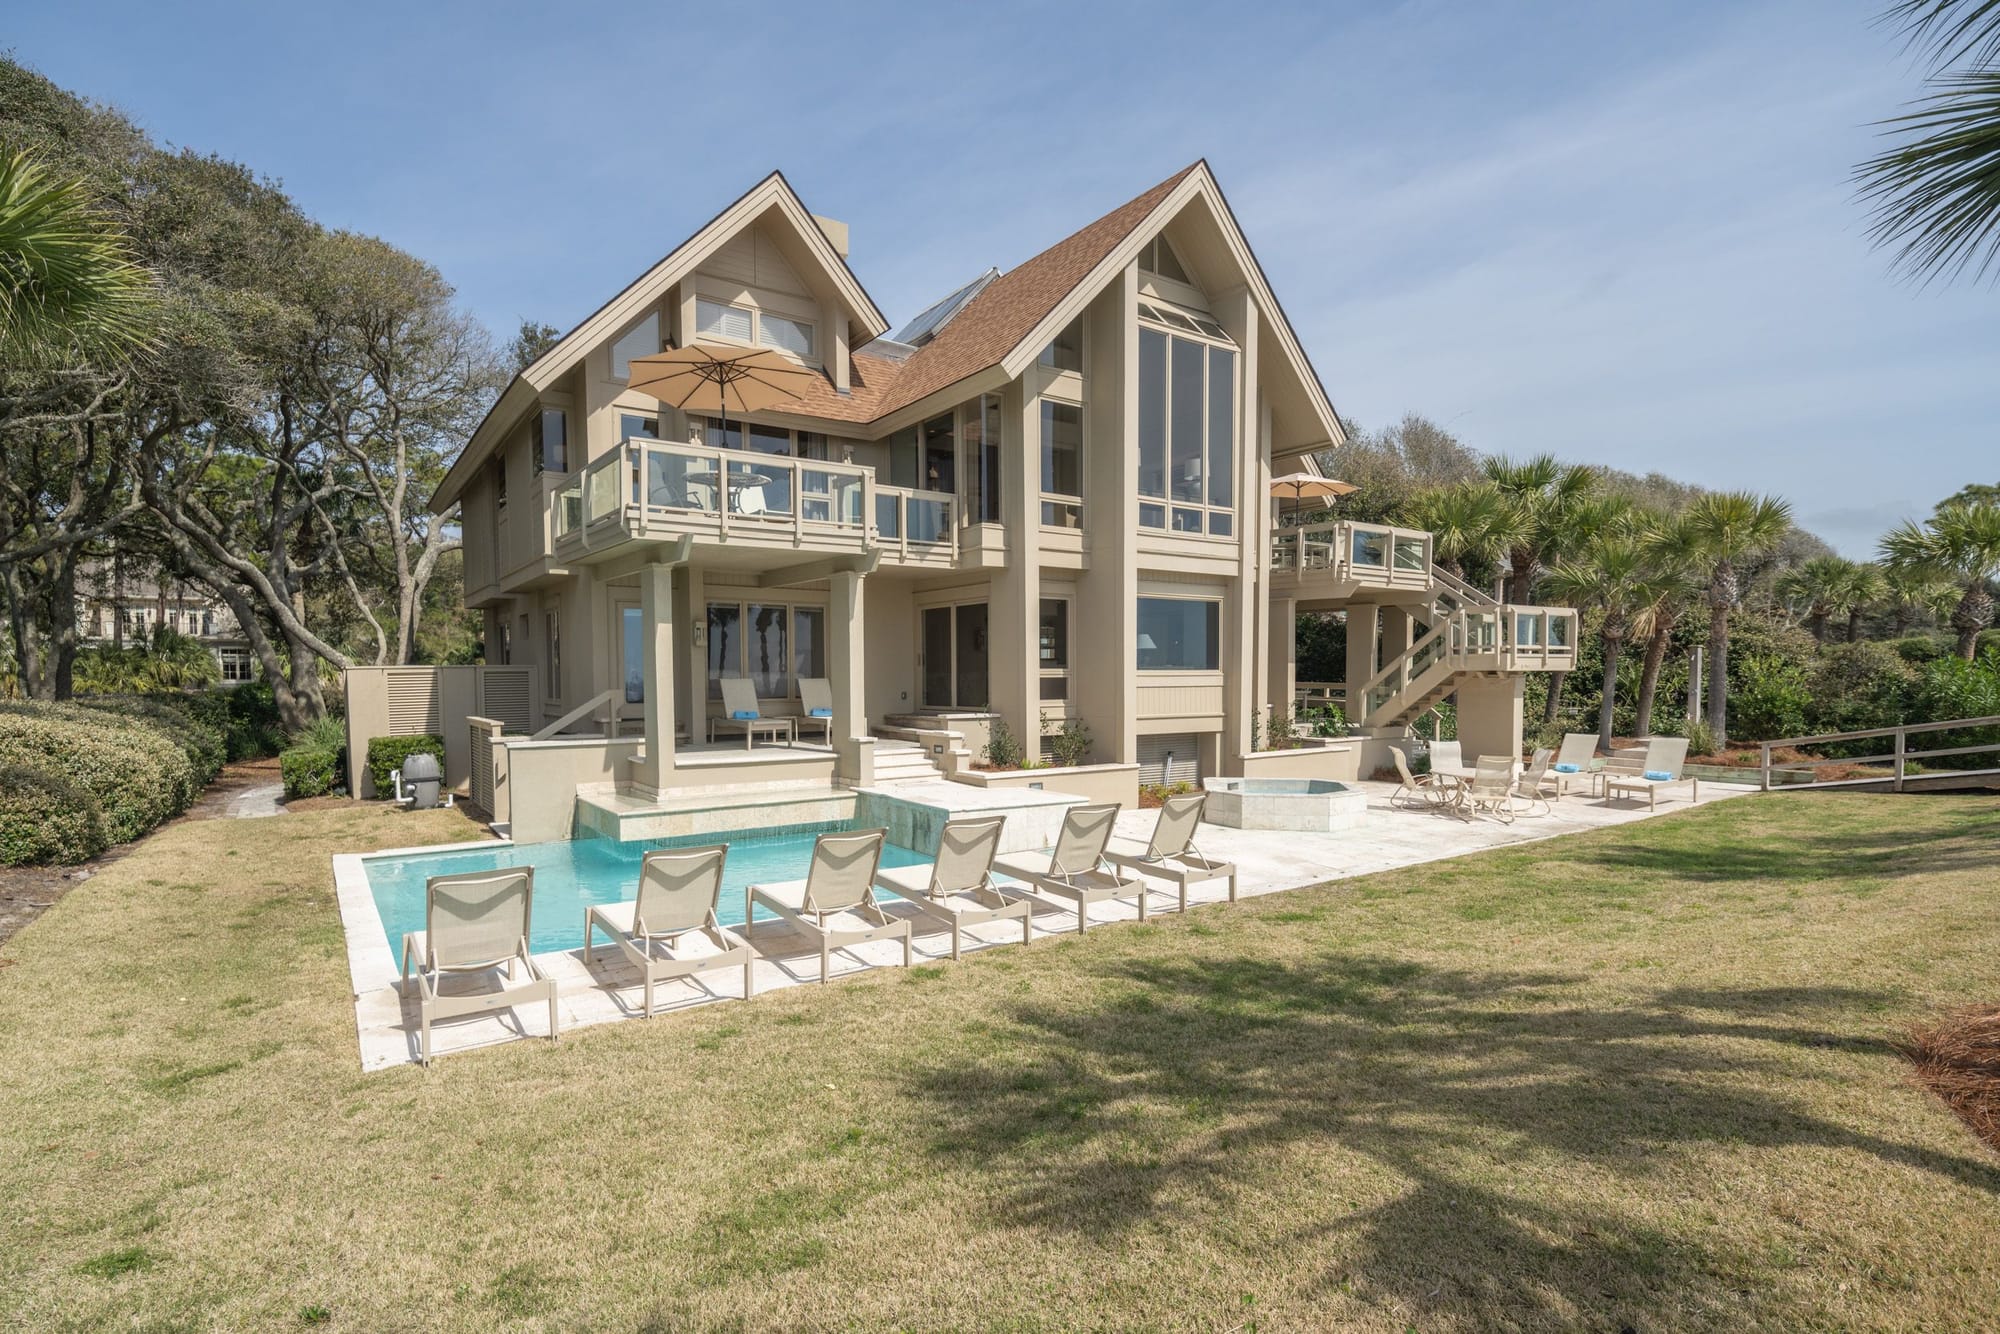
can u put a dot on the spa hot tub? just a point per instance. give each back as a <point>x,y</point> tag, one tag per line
<point>1310,805</point>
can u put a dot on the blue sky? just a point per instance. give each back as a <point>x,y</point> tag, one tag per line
<point>1620,232</point>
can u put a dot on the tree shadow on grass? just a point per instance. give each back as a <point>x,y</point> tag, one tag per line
<point>1189,1083</point>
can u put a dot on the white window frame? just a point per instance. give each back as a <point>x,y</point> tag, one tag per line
<point>756,338</point>
<point>1205,340</point>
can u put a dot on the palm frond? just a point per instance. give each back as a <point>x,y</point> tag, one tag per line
<point>1936,197</point>
<point>68,283</point>
<point>1943,32</point>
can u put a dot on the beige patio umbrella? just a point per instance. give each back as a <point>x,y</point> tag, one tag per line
<point>1299,485</point>
<point>700,380</point>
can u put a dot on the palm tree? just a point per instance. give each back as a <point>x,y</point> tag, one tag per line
<point>1864,588</point>
<point>1960,542</point>
<point>1678,583</point>
<point>1936,195</point>
<point>1467,523</point>
<point>1819,586</point>
<point>1726,527</point>
<point>68,284</point>
<point>1615,575</point>
<point>1912,590</point>
<point>1545,495</point>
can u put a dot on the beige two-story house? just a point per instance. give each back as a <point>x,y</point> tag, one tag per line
<point>1046,499</point>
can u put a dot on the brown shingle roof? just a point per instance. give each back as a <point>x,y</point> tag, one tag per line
<point>996,320</point>
<point>870,380</point>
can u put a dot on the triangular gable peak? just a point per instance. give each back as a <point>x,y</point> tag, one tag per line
<point>770,217</point>
<point>1196,219</point>
<point>768,230</point>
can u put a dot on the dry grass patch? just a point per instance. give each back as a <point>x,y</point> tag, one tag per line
<point>1643,1077</point>
<point>1958,1059</point>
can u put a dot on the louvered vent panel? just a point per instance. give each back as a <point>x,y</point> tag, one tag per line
<point>504,692</point>
<point>413,702</point>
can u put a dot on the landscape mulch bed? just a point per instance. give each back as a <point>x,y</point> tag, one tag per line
<point>1958,1059</point>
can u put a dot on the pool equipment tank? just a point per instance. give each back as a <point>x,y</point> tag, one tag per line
<point>418,781</point>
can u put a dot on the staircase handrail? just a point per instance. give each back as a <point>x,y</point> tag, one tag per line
<point>578,712</point>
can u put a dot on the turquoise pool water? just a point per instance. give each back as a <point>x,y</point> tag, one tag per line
<point>570,877</point>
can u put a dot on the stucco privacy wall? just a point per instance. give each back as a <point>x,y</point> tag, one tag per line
<point>544,775</point>
<point>411,701</point>
<point>1342,763</point>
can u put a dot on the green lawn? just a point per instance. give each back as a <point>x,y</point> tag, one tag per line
<point>1640,1078</point>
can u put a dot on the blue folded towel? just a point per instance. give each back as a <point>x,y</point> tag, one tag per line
<point>1658,776</point>
<point>743,715</point>
<point>1568,769</point>
<point>819,713</point>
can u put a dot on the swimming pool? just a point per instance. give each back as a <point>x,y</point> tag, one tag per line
<point>570,877</point>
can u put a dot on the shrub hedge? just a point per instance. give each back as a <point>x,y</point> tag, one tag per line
<point>387,753</point>
<point>111,768</point>
<point>46,818</point>
<point>309,771</point>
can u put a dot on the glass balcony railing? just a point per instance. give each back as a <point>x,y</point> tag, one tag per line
<point>648,487</point>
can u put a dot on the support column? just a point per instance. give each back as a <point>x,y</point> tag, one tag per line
<point>1363,620</point>
<point>1489,715</point>
<point>656,611</point>
<point>1283,653</point>
<point>1397,634</point>
<point>846,666</point>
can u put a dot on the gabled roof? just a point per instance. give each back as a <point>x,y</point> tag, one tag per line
<point>994,322</point>
<point>774,192</point>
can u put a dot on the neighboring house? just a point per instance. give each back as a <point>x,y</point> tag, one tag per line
<point>116,605</point>
<point>1046,498</point>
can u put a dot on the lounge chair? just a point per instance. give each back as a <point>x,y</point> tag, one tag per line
<point>740,714</point>
<point>475,922</point>
<point>1492,787</point>
<point>835,903</point>
<point>1171,854</point>
<point>1075,868</point>
<point>679,890</point>
<point>816,699</point>
<point>957,888</point>
<point>1574,761</point>
<point>1427,789</point>
<point>1661,764</point>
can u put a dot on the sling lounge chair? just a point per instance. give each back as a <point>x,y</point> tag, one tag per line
<point>835,903</point>
<point>1664,760</point>
<point>475,922</point>
<point>679,890</point>
<point>1171,854</point>
<point>958,887</point>
<point>1075,869</point>
<point>816,699</point>
<point>739,713</point>
<point>1573,764</point>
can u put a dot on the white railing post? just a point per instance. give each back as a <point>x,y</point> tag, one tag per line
<point>1901,747</point>
<point>1765,747</point>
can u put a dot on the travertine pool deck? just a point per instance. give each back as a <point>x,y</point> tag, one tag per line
<point>607,988</point>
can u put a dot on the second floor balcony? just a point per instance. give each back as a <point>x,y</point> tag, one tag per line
<point>656,491</point>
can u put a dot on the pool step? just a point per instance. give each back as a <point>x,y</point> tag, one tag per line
<point>903,762</point>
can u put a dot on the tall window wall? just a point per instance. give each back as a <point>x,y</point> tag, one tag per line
<point>1187,427</point>
<point>775,644</point>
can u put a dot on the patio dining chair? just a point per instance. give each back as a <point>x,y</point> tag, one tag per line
<point>1537,781</point>
<point>1491,790</point>
<point>957,887</point>
<point>1171,854</point>
<point>475,922</point>
<point>1431,791</point>
<point>1075,868</point>
<point>679,891</point>
<point>835,904</point>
